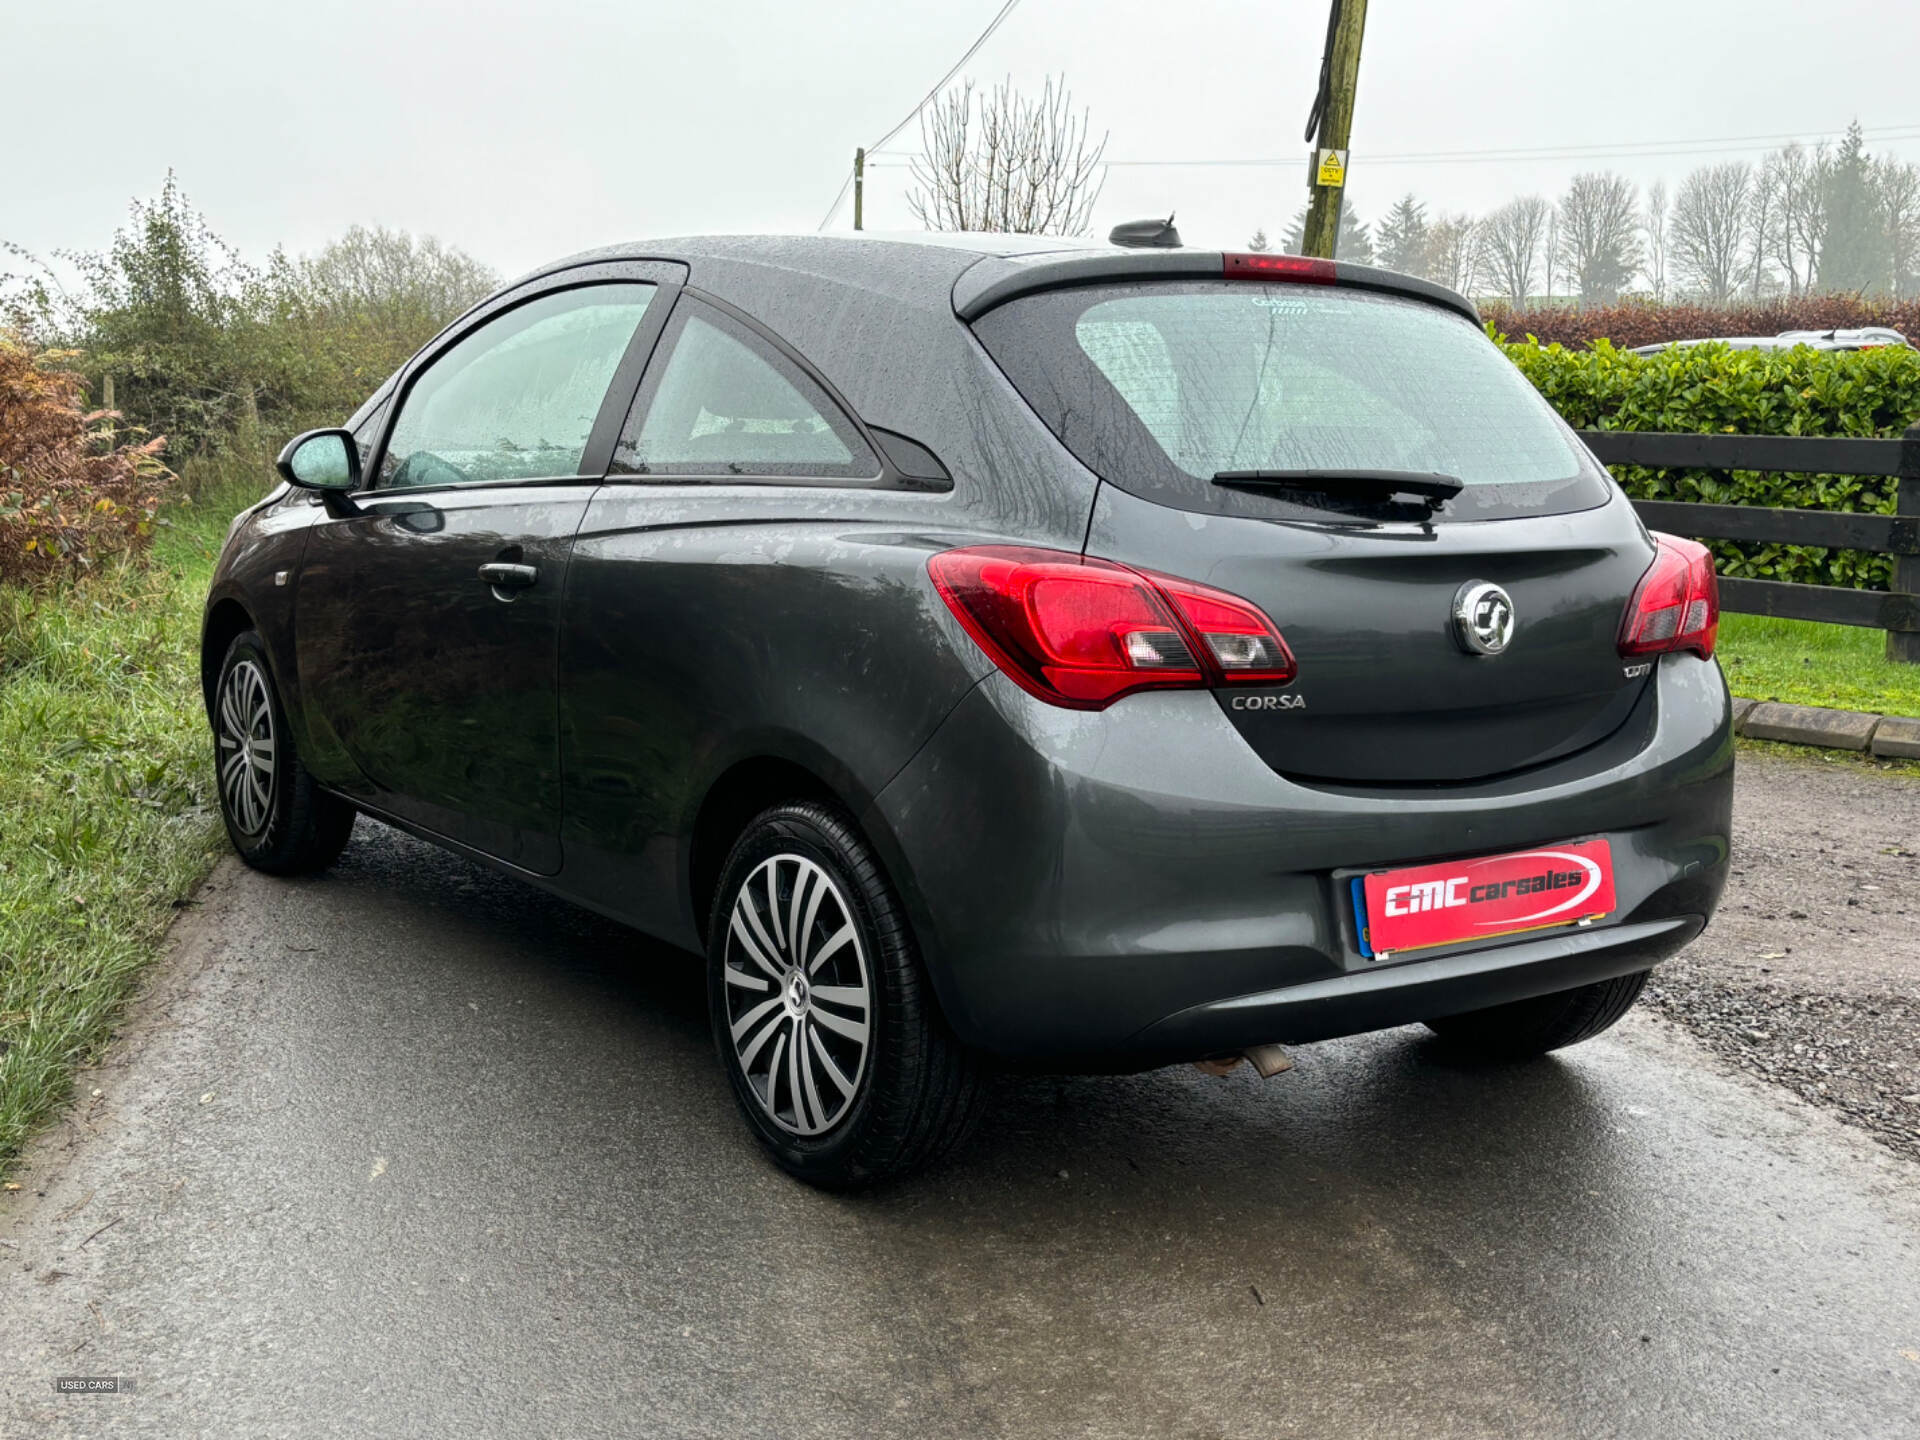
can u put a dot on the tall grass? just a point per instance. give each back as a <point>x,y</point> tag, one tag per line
<point>106,810</point>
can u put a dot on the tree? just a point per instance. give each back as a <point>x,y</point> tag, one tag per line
<point>1854,247</point>
<point>1898,184</point>
<point>1654,227</point>
<point>390,278</point>
<point>1763,197</point>
<point>1401,240</point>
<point>1709,224</point>
<point>1798,211</point>
<point>1354,242</point>
<point>1598,236</point>
<point>167,311</point>
<point>1259,241</point>
<point>1454,252</point>
<point>200,344</point>
<point>365,303</point>
<point>1007,162</point>
<point>1513,236</point>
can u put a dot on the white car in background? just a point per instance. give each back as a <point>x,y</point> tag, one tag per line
<point>1871,337</point>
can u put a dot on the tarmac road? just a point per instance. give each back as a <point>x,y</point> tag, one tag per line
<point>412,1150</point>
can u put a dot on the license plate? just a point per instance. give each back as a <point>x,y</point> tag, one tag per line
<point>1462,900</point>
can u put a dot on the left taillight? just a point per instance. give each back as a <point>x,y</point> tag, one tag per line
<point>1081,632</point>
<point>1676,605</point>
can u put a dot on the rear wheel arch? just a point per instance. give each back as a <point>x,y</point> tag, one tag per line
<point>738,794</point>
<point>759,782</point>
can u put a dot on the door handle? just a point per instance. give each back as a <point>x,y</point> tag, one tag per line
<point>503,576</point>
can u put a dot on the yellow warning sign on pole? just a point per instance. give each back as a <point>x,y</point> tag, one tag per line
<point>1333,169</point>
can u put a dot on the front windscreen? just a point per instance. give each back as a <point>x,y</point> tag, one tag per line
<point>1159,387</point>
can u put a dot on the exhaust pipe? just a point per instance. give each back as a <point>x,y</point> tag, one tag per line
<point>1267,1060</point>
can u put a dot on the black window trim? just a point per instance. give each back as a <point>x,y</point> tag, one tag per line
<point>886,474</point>
<point>667,277</point>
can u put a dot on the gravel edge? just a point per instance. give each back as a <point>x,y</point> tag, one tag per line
<point>1855,1055</point>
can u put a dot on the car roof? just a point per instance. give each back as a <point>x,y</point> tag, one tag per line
<point>872,256</point>
<point>966,272</point>
<point>1734,342</point>
<point>1863,334</point>
<point>1843,339</point>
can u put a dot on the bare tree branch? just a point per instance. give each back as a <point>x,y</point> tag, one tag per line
<point>1513,236</point>
<point>1598,235</point>
<point>1898,183</point>
<point>1654,225</point>
<point>1709,226</point>
<point>1007,162</point>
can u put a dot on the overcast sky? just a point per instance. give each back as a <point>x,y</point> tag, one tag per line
<point>522,132</point>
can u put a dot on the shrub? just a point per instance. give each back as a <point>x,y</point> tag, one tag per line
<point>1712,388</point>
<point>198,342</point>
<point>71,493</point>
<point>1642,322</point>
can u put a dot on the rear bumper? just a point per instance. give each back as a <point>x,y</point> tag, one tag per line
<point>1133,887</point>
<point>1421,990</point>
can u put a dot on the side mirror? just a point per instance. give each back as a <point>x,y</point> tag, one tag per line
<point>323,460</point>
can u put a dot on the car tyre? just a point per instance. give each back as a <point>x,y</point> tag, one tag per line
<point>838,1055</point>
<point>1523,1029</point>
<point>277,816</point>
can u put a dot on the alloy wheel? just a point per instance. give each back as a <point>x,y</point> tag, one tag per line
<point>247,748</point>
<point>799,995</point>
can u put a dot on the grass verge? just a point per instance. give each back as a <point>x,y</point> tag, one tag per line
<point>106,820</point>
<point>1805,663</point>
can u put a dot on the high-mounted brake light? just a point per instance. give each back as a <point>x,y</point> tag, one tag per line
<point>1303,269</point>
<point>1676,605</point>
<point>1081,632</point>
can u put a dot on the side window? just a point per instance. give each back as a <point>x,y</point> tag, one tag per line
<point>517,398</point>
<point>724,402</point>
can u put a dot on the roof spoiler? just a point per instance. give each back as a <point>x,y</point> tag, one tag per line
<point>994,280</point>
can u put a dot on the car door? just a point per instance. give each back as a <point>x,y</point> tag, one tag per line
<point>427,608</point>
<point>695,558</point>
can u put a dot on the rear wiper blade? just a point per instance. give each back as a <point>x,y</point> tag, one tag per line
<point>1366,484</point>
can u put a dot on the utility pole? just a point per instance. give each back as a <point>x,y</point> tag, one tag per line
<point>1331,123</point>
<point>859,184</point>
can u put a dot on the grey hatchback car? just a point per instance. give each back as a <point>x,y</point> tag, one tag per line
<point>992,650</point>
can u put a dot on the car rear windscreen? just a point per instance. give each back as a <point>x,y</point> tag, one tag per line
<point>1160,386</point>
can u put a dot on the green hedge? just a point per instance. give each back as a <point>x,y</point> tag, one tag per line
<point>1709,388</point>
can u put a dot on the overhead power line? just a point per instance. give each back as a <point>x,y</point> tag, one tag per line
<point>941,84</point>
<point>1650,149</point>
<point>1626,147</point>
<point>972,50</point>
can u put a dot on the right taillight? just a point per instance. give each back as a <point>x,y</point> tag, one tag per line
<point>1676,605</point>
<point>1081,632</point>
